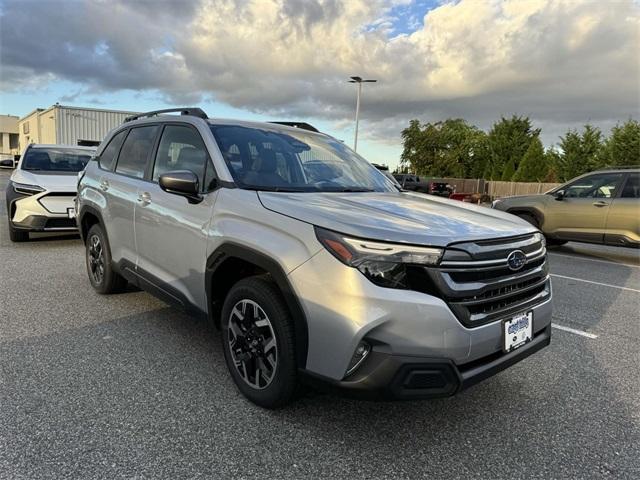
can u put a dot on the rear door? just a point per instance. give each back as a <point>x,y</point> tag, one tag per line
<point>121,190</point>
<point>171,233</point>
<point>623,221</point>
<point>581,215</point>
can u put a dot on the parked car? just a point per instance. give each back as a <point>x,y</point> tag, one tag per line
<point>343,280</point>
<point>440,189</point>
<point>41,189</point>
<point>385,171</point>
<point>598,207</point>
<point>411,182</point>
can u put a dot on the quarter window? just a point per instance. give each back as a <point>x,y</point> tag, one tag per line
<point>135,151</point>
<point>108,158</point>
<point>182,148</point>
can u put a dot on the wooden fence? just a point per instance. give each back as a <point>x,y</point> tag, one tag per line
<point>495,189</point>
<point>508,189</point>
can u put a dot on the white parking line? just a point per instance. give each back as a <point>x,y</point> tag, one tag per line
<point>577,257</point>
<point>596,283</point>
<point>573,330</point>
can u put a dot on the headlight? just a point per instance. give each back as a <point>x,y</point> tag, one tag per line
<point>385,264</point>
<point>26,189</point>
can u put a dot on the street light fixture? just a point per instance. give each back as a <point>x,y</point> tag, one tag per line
<point>359,81</point>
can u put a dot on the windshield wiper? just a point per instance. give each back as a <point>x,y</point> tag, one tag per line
<point>31,168</point>
<point>348,189</point>
<point>269,188</point>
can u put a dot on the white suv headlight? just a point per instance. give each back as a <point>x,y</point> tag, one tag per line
<point>26,189</point>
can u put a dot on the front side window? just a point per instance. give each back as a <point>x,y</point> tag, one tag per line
<point>56,159</point>
<point>181,148</point>
<point>632,187</point>
<point>299,161</point>
<point>594,186</point>
<point>135,151</point>
<point>108,157</point>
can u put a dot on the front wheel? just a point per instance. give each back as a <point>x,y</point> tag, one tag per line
<point>104,279</point>
<point>258,342</point>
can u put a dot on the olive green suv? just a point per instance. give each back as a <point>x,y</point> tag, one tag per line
<point>597,207</point>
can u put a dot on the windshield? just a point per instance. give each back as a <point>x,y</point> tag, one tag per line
<point>53,159</point>
<point>298,161</point>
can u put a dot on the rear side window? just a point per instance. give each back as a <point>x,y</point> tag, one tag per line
<point>632,187</point>
<point>108,158</point>
<point>135,151</point>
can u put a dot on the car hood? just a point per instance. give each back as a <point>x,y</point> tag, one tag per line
<point>397,217</point>
<point>52,181</point>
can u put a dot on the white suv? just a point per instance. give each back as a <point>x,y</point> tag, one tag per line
<point>314,264</point>
<point>42,188</point>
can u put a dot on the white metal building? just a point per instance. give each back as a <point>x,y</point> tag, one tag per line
<point>64,125</point>
<point>8,136</point>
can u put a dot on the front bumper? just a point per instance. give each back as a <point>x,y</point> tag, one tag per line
<point>397,377</point>
<point>343,308</point>
<point>42,212</point>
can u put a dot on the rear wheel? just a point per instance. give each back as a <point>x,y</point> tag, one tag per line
<point>102,276</point>
<point>258,342</point>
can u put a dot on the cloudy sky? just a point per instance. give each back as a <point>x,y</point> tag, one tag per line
<point>561,62</point>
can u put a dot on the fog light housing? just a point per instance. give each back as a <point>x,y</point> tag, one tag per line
<point>361,352</point>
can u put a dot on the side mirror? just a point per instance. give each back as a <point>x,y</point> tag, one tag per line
<point>7,163</point>
<point>181,182</point>
<point>559,195</point>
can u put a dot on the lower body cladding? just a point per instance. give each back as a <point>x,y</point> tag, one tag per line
<point>44,212</point>
<point>418,348</point>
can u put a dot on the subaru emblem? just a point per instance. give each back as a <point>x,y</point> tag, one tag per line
<point>516,260</point>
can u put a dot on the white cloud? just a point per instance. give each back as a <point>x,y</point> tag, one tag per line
<point>563,62</point>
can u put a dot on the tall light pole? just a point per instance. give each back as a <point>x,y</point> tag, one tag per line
<point>359,81</point>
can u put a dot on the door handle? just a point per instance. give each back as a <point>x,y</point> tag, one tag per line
<point>600,203</point>
<point>104,185</point>
<point>144,198</point>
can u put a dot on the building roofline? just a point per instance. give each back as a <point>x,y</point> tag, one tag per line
<point>69,107</point>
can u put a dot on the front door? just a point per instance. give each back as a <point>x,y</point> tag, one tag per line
<point>171,233</point>
<point>581,214</point>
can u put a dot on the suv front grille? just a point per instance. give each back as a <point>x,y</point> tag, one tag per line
<point>477,284</point>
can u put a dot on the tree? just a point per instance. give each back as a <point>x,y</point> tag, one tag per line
<point>508,141</point>
<point>533,167</point>
<point>451,148</point>
<point>623,145</point>
<point>581,152</point>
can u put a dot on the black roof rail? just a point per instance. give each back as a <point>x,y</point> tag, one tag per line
<point>192,111</point>
<point>300,125</point>
<point>620,167</point>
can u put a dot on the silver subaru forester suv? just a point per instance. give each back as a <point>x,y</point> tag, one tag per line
<point>313,264</point>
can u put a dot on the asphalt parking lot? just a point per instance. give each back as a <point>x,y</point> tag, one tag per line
<point>124,386</point>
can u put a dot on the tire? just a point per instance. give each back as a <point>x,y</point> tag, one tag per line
<point>260,357</point>
<point>17,235</point>
<point>103,278</point>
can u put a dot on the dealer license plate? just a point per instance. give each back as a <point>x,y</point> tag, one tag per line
<point>517,331</point>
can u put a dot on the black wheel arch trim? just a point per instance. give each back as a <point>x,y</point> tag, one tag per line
<point>93,211</point>
<point>241,252</point>
<point>537,214</point>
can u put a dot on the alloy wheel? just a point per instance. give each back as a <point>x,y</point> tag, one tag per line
<point>252,343</point>
<point>96,259</point>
